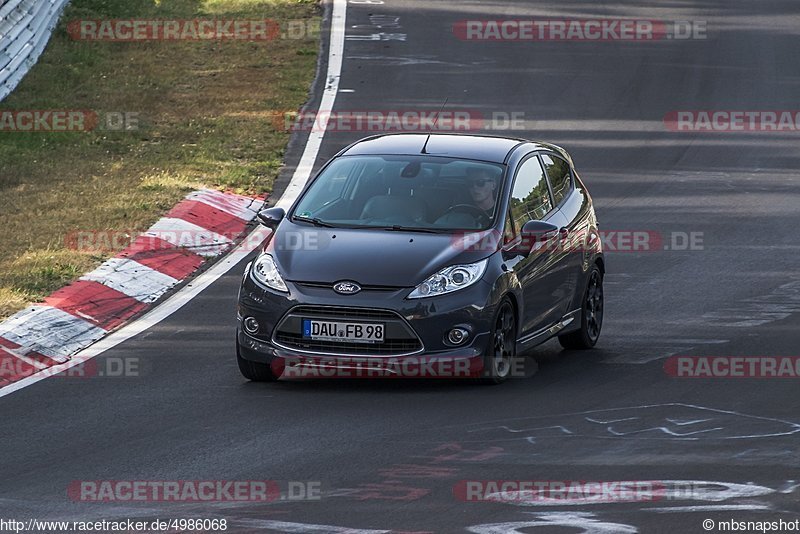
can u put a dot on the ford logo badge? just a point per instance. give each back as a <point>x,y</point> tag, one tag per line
<point>346,288</point>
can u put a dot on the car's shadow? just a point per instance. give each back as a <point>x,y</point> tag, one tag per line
<point>550,357</point>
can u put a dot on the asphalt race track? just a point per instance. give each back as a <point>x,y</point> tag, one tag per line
<point>387,455</point>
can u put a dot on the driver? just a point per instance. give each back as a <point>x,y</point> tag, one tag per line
<point>482,185</point>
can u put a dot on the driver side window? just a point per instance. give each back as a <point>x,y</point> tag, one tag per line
<point>530,198</point>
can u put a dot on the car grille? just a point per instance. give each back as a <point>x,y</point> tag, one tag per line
<point>328,285</point>
<point>399,339</point>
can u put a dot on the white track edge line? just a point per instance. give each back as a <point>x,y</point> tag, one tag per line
<point>204,280</point>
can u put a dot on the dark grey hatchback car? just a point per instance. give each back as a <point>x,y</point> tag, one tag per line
<point>424,255</point>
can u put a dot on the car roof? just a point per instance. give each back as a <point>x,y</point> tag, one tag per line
<point>490,148</point>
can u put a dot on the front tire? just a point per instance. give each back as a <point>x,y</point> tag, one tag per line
<point>591,315</point>
<point>254,371</point>
<point>502,353</point>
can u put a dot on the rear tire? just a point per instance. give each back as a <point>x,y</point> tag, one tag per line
<point>254,371</point>
<point>591,315</point>
<point>500,356</point>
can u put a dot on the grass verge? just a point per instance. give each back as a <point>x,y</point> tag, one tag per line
<point>197,114</point>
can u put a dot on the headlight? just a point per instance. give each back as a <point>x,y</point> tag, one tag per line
<point>450,279</point>
<point>265,271</point>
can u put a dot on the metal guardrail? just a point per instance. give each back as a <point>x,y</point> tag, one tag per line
<point>25,29</point>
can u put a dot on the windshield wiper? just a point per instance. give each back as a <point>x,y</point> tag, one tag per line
<point>399,228</point>
<point>313,220</point>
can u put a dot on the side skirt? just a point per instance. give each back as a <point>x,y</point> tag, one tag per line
<point>540,336</point>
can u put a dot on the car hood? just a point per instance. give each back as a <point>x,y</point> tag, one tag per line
<point>371,256</point>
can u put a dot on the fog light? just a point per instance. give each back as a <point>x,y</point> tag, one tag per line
<point>457,336</point>
<point>250,325</point>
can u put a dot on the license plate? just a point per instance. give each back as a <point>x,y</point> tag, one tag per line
<point>347,332</point>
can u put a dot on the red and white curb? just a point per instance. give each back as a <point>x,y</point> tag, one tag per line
<point>203,225</point>
<point>241,207</point>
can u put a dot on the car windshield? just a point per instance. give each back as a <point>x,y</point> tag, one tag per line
<point>423,193</point>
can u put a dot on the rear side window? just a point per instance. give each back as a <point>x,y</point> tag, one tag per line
<point>530,198</point>
<point>560,177</point>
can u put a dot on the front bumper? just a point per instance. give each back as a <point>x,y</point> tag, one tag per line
<point>287,364</point>
<point>416,330</point>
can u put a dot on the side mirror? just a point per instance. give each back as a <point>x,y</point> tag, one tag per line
<point>533,232</point>
<point>271,217</point>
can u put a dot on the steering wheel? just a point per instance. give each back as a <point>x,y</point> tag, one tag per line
<point>472,210</point>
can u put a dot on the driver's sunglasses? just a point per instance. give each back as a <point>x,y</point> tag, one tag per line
<point>479,182</point>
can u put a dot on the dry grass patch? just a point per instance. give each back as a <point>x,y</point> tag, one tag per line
<point>203,113</point>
